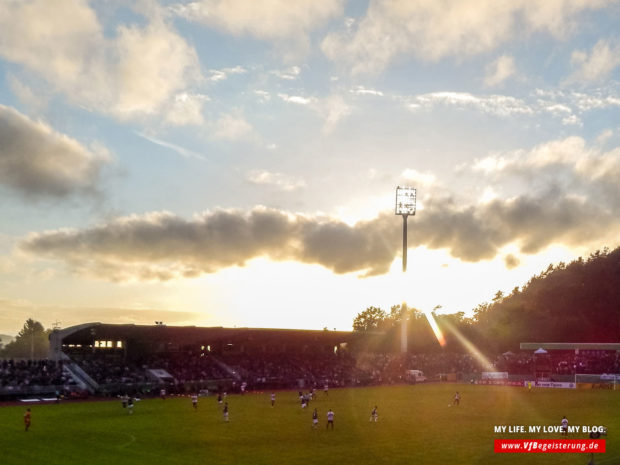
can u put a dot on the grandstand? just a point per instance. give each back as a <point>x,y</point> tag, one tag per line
<point>109,359</point>
<point>585,364</point>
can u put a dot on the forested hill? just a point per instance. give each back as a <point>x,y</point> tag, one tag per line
<point>578,302</point>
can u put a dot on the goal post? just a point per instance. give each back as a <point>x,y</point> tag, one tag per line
<point>592,381</point>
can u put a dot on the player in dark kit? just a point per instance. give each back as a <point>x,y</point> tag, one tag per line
<point>27,419</point>
<point>225,411</point>
<point>374,416</point>
<point>315,419</point>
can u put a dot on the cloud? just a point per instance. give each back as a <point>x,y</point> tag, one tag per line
<point>289,74</point>
<point>38,162</point>
<point>335,110</point>
<point>297,99</point>
<point>279,181</point>
<point>432,30</point>
<point>122,74</point>
<point>231,127</point>
<point>223,74</point>
<point>500,70</point>
<point>186,109</point>
<point>361,90</point>
<point>500,105</point>
<point>511,261</point>
<point>162,246</point>
<point>596,66</point>
<point>282,21</point>
<point>175,148</point>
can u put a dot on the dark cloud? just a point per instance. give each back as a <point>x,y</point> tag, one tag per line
<point>511,261</point>
<point>162,246</point>
<point>38,162</point>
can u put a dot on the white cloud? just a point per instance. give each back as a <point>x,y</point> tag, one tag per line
<point>418,179</point>
<point>223,74</point>
<point>336,109</point>
<point>361,90</point>
<point>594,100</point>
<point>279,181</point>
<point>501,105</point>
<point>435,29</point>
<point>263,96</point>
<point>175,148</point>
<point>297,99</point>
<point>38,162</point>
<point>289,74</point>
<point>500,70</point>
<point>137,72</point>
<point>231,127</point>
<point>596,66</point>
<point>288,23</point>
<point>186,109</point>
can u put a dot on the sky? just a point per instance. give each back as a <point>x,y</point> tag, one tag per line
<point>234,163</point>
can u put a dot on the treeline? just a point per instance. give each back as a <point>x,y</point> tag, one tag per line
<point>575,302</point>
<point>32,342</point>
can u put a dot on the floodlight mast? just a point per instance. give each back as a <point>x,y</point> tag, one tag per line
<point>405,206</point>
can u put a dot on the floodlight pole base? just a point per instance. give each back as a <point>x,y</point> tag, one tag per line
<point>404,243</point>
<point>403,328</point>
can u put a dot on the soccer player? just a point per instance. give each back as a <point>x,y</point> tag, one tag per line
<point>457,398</point>
<point>27,419</point>
<point>374,416</point>
<point>564,426</point>
<point>130,405</point>
<point>225,412</point>
<point>195,401</point>
<point>529,386</point>
<point>273,399</point>
<point>330,419</point>
<point>315,419</point>
<point>162,394</point>
<point>219,398</point>
<point>326,388</point>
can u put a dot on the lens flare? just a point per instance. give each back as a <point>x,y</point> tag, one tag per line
<point>438,334</point>
<point>471,348</point>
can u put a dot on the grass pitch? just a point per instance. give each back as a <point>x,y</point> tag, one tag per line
<point>416,425</point>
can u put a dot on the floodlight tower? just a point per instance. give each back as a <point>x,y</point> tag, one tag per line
<point>405,206</point>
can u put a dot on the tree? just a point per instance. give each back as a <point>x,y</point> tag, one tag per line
<point>31,342</point>
<point>373,318</point>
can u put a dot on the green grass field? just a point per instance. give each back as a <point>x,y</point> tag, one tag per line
<point>415,425</point>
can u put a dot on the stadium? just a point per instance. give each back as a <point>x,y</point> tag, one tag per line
<point>272,379</point>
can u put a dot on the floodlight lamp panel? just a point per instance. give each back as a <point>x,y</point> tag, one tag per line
<point>405,201</point>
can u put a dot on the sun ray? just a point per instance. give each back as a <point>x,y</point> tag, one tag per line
<point>435,327</point>
<point>468,345</point>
